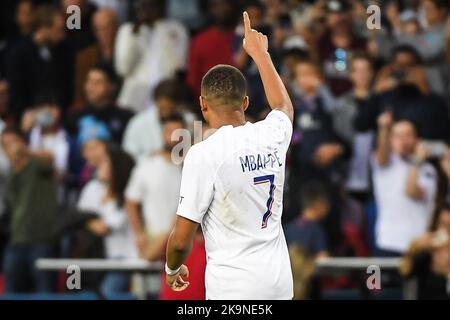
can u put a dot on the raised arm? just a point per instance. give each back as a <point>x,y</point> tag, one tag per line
<point>256,45</point>
<point>383,150</point>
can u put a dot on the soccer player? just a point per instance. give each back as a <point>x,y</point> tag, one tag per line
<point>232,184</point>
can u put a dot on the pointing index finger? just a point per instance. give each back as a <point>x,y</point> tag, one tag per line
<point>247,23</point>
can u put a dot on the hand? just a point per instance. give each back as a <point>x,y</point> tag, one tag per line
<point>255,43</point>
<point>385,120</point>
<point>28,120</point>
<point>176,282</point>
<point>327,153</point>
<point>98,227</point>
<point>421,152</point>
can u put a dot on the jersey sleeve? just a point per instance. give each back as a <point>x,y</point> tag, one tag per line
<point>278,125</point>
<point>197,186</point>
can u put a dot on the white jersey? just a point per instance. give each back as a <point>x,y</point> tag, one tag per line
<point>232,184</point>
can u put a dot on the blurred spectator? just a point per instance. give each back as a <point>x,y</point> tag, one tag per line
<point>317,151</point>
<point>24,22</point>
<point>169,97</point>
<point>403,58</point>
<point>188,12</point>
<point>428,260</point>
<point>35,66</point>
<point>430,42</point>
<point>101,84</point>
<point>93,152</point>
<point>306,231</point>
<point>403,89</point>
<point>291,58</point>
<point>404,185</point>
<point>43,125</point>
<point>337,46</point>
<point>104,196</point>
<point>31,201</point>
<point>242,60</point>
<point>105,24</point>
<point>214,45</point>
<point>122,8</point>
<point>148,50</point>
<point>78,39</point>
<point>153,195</point>
<point>347,107</point>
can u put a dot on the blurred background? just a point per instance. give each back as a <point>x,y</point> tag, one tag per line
<point>87,117</point>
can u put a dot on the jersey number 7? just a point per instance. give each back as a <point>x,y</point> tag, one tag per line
<point>263,180</point>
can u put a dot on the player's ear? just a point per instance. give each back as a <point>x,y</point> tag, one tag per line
<point>203,104</point>
<point>246,103</point>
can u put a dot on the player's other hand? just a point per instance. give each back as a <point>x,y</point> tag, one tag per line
<point>255,43</point>
<point>176,282</point>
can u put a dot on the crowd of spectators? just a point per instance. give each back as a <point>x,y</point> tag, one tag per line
<point>87,119</point>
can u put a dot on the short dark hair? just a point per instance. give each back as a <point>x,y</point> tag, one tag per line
<point>313,192</point>
<point>108,71</point>
<point>169,88</point>
<point>43,16</point>
<point>298,54</point>
<point>361,55</point>
<point>225,85</point>
<point>311,63</point>
<point>405,48</point>
<point>14,130</point>
<point>174,117</point>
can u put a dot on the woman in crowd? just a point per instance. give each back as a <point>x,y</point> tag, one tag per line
<point>104,196</point>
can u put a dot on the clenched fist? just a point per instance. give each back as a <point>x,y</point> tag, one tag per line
<point>255,43</point>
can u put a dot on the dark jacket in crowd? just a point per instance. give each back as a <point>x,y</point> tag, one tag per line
<point>31,200</point>
<point>429,112</point>
<point>313,127</point>
<point>33,72</point>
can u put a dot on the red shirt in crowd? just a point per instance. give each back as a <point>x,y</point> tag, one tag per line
<point>196,262</point>
<point>208,49</point>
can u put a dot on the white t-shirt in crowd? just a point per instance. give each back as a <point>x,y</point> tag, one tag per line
<point>155,183</point>
<point>401,219</point>
<point>57,144</point>
<point>119,243</point>
<point>233,185</point>
<point>143,134</point>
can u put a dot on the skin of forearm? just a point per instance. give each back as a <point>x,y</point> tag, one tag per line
<point>383,149</point>
<point>134,216</point>
<point>177,251</point>
<point>412,189</point>
<point>276,92</point>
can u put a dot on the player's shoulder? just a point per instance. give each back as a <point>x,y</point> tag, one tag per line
<point>276,116</point>
<point>277,127</point>
<point>210,147</point>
